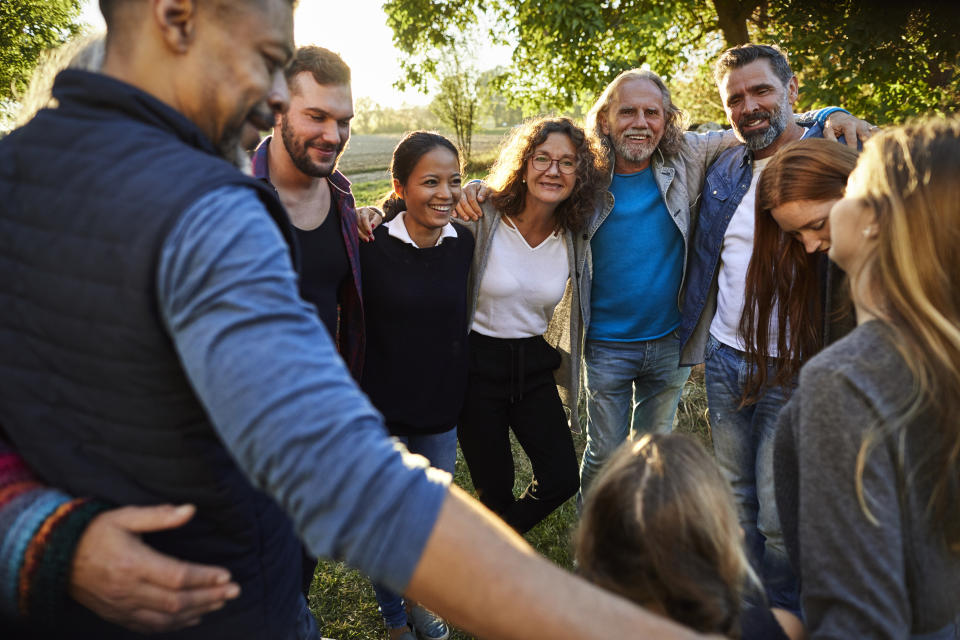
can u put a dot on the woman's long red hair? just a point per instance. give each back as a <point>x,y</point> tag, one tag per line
<point>782,279</point>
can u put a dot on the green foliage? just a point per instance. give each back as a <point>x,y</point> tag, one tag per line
<point>414,22</point>
<point>27,29</point>
<point>494,106</point>
<point>884,61</point>
<point>889,63</point>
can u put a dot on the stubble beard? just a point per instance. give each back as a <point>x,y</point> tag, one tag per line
<point>299,152</point>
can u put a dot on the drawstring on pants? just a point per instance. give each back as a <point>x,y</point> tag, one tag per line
<point>515,383</point>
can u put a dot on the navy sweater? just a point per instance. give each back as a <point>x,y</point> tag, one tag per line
<point>415,303</point>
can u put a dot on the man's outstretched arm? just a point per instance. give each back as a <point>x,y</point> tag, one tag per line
<point>478,573</point>
<point>285,406</point>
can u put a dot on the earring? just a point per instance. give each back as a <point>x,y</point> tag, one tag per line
<point>869,231</point>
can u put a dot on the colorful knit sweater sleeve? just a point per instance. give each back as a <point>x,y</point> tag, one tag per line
<point>39,531</point>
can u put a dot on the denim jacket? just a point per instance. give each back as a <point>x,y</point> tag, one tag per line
<point>726,183</point>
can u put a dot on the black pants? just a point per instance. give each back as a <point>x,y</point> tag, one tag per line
<point>511,386</point>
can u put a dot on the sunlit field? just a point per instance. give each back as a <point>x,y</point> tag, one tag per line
<point>368,156</point>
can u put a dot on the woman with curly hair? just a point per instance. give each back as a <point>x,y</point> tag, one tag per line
<point>868,448</point>
<point>544,184</point>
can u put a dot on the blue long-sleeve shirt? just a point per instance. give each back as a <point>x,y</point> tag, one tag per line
<point>281,398</point>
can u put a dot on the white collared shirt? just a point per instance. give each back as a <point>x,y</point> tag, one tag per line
<point>398,230</point>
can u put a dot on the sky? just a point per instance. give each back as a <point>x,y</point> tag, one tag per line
<point>337,26</point>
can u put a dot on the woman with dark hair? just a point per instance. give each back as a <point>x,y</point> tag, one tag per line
<point>868,448</point>
<point>524,309</point>
<point>415,303</point>
<point>790,281</point>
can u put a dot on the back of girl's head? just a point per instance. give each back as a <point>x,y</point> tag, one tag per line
<point>406,155</point>
<point>508,173</point>
<point>782,278</point>
<point>659,527</point>
<point>909,178</point>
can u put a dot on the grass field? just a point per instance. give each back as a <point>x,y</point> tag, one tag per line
<point>343,600</point>
<point>368,156</point>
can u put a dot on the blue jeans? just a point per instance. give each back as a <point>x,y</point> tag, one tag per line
<point>441,450</point>
<point>743,444</point>
<point>306,628</point>
<point>632,387</point>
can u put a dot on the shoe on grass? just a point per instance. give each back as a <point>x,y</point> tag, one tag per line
<point>427,625</point>
<point>401,633</point>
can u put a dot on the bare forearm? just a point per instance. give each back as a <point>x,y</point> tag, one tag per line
<point>484,578</point>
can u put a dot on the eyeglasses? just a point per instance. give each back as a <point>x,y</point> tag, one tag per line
<point>542,162</point>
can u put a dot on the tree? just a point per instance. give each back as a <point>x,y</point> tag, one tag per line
<point>891,63</point>
<point>494,106</point>
<point>27,29</point>
<point>885,61</point>
<point>456,101</point>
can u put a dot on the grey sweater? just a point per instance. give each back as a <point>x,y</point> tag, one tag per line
<point>860,580</point>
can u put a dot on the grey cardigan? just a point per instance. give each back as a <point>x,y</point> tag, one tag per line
<point>565,322</point>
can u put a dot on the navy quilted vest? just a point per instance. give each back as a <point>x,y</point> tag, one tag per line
<point>91,389</point>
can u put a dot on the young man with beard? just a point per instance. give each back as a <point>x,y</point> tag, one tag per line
<point>300,161</point>
<point>758,90</point>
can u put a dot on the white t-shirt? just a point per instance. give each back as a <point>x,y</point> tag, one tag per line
<point>521,285</point>
<point>732,279</point>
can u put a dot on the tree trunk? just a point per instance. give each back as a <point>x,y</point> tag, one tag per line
<point>732,18</point>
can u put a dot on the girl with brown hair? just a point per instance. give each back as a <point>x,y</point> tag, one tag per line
<point>660,528</point>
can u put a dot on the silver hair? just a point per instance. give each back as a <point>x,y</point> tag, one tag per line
<point>675,119</point>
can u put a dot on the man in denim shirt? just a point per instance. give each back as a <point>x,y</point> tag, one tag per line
<point>758,90</point>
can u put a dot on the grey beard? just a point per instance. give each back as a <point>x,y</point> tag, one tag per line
<point>233,152</point>
<point>763,139</point>
<point>639,155</point>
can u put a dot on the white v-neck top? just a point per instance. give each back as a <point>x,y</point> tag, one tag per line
<point>521,285</point>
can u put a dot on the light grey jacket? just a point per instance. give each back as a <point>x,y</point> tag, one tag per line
<point>680,180</point>
<point>563,324</point>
